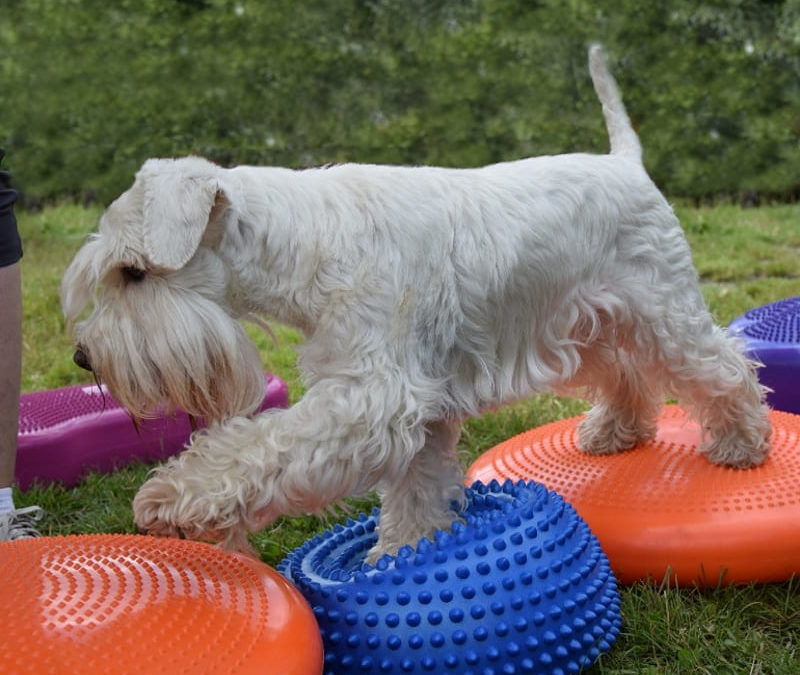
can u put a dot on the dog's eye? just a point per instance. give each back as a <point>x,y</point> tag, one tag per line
<point>133,274</point>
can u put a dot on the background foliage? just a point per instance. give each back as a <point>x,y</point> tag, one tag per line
<point>90,88</point>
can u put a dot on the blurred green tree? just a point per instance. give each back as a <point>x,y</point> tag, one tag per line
<point>89,89</point>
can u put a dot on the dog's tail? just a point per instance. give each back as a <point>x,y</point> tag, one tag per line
<point>624,140</point>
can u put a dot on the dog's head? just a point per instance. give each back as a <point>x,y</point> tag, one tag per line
<point>162,333</point>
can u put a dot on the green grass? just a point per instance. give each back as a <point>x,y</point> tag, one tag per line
<point>745,258</point>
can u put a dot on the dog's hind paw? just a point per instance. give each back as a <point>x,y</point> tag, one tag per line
<point>602,433</point>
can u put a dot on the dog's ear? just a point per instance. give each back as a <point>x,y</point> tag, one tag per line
<point>183,204</point>
<point>80,279</point>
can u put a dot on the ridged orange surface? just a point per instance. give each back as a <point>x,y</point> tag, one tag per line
<point>663,508</point>
<point>133,604</point>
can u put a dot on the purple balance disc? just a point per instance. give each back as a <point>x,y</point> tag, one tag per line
<point>63,433</point>
<point>772,336</point>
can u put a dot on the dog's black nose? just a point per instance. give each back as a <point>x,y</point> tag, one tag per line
<point>80,359</point>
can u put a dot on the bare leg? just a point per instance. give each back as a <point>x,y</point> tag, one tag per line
<point>10,369</point>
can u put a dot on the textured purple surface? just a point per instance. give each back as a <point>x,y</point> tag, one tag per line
<point>63,433</point>
<point>772,336</point>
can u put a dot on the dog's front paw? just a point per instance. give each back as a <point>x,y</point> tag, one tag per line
<point>391,537</point>
<point>382,547</point>
<point>167,506</point>
<point>154,508</point>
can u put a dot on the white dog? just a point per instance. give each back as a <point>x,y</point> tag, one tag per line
<point>426,295</point>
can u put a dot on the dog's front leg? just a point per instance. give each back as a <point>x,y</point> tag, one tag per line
<point>427,497</point>
<point>341,439</point>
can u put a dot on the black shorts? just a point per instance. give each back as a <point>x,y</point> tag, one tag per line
<point>10,244</point>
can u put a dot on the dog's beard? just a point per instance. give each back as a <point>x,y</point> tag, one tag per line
<point>160,349</point>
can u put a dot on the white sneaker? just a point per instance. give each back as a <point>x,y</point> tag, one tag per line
<point>19,524</point>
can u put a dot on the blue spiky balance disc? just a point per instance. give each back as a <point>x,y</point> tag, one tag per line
<point>521,586</point>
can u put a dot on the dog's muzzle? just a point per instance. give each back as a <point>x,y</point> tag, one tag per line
<point>80,359</point>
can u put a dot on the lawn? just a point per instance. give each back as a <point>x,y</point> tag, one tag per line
<point>745,258</point>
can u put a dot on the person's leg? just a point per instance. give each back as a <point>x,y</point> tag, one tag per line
<point>14,523</point>
<point>10,368</point>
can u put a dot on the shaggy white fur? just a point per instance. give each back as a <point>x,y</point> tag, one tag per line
<point>426,295</point>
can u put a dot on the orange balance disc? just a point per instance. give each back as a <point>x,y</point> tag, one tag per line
<point>134,604</point>
<point>664,509</point>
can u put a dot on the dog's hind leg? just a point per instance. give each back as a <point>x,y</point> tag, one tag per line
<point>707,371</point>
<point>429,495</point>
<point>612,369</point>
<point>626,408</point>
